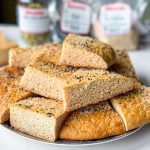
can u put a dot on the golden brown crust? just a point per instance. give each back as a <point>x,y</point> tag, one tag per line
<point>21,57</point>
<point>10,91</point>
<point>84,51</point>
<point>92,122</point>
<point>52,52</point>
<point>134,107</point>
<point>123,64</point>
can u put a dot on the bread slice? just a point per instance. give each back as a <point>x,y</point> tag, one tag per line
<point>133,107</point>
<point>5,46</point>
<point>76,87</point>
<point>92,122</point>
<point>83,51</point>
<point>21,57</point>
<point>10,91</point>
<point>124,66</point>
<point>38,117</point>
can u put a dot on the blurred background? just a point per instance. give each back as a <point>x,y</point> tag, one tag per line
<point>8,11</point>
<point>116,22</point>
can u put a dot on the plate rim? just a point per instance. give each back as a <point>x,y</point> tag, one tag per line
<point>67,142</point>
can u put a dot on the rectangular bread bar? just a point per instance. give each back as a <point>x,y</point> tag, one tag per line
<point>10,91</point>
<point>76,87</point>
<point>92,122</point>
<point>124,66</point>
<point>133,107</point>
<point>21,57</point>
<point>83,51</point>
<point>38,117</point>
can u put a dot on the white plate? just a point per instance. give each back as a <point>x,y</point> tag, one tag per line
<point>69,142</point>
<point>141,61</point>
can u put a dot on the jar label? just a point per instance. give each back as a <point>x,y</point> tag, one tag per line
<point>76,18</point>
<point>115,18</point>
<point>33,20</point>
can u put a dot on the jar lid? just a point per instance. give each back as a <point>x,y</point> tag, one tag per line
<point>25,1</point>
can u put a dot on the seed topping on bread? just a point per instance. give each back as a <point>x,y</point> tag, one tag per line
<point>94,108</point>
<point>92,45</point>
<point>37,105</point>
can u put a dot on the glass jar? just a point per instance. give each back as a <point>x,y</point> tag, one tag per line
<point>33,21</point>
<point>69,16</point>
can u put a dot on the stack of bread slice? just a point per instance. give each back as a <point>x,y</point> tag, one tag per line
<point>82,89</point>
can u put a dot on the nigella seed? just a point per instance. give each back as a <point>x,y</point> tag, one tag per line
<point>52,108</point>
<point>79,78</point>
<point>29,106</point>
<point>49,114</point>
<point>89,79</point>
